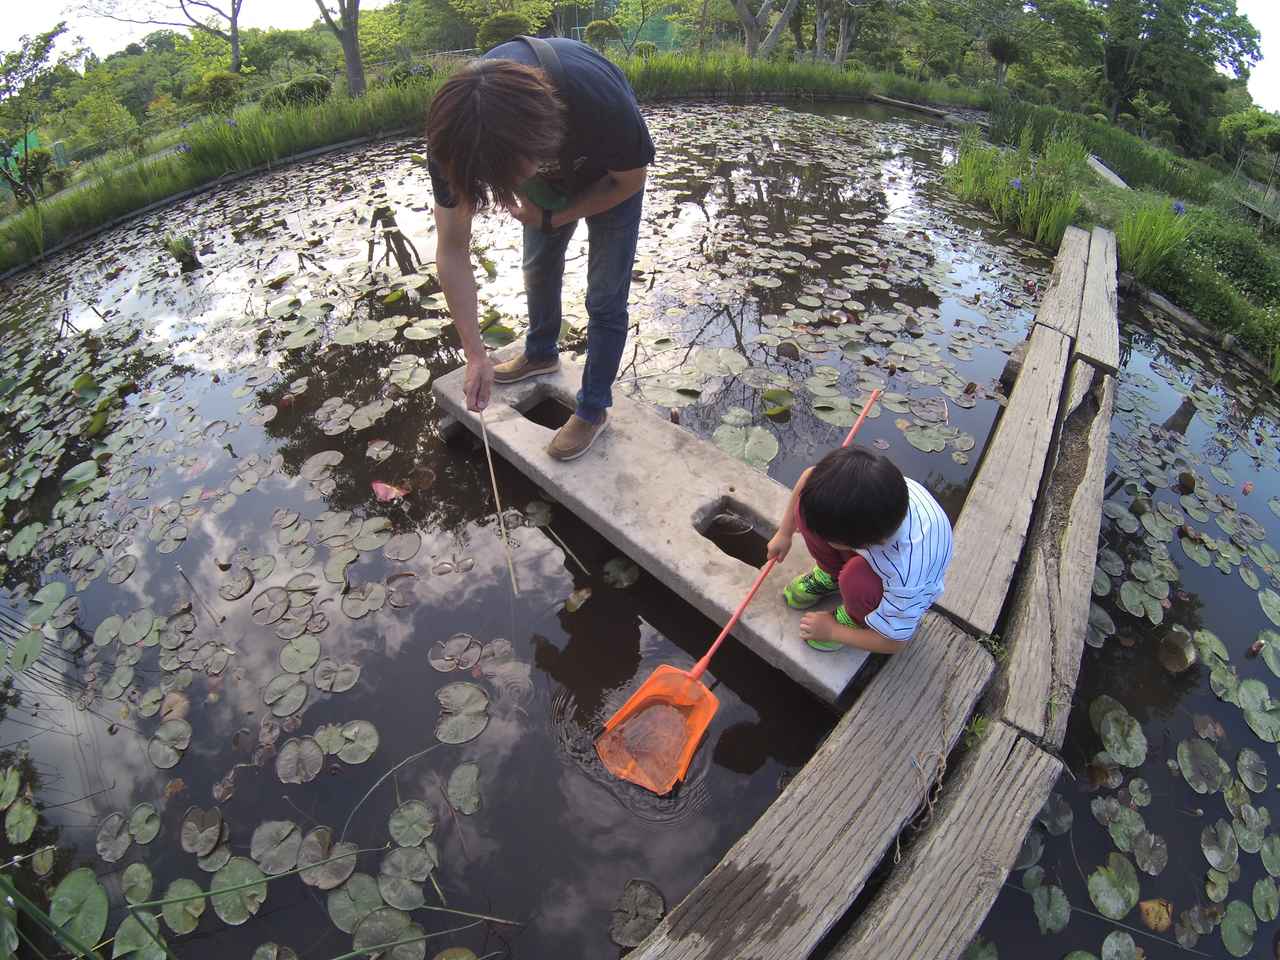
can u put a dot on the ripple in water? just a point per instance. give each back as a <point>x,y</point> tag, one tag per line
<point>576,744</point>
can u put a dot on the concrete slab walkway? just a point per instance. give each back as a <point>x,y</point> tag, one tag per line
<point>650,488</point>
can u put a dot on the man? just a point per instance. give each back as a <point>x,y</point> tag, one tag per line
<point>550,131</point>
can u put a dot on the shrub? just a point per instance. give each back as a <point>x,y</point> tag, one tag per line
<point>1147,237</point>
<point>219,90</point>
<point>299,92</point>
<point>403,74</point>
<point>501,27</point>
<point>601,33</point>
<point>645,49</point>
<point>35,166</point>
<point>1234,249</point>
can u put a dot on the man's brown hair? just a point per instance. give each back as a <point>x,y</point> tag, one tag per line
<point>487,122</point>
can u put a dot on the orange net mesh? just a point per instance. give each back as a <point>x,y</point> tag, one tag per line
<point>652,739</point>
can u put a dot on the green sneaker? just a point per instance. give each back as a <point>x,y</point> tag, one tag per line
<point>827,646</point>
<point>804,591</point>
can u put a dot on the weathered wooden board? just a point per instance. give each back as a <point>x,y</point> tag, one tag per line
<point>1063,297</point>
<point>1106,173</point>
<point>1099,338</point>
<point>783,885</point>
<point>939,894</point>
<point>1050,606</point>
<point>997,512</point>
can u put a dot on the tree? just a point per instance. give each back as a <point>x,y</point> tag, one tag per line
<point>99,118</point>
<point>1004,50</point>
<point>632,16</point>
<point>24,79</point>
<point>499,28</point>
<point>601,33</point>
<point>347,29</point>
<point>754,24</point>
<point>220,19</point>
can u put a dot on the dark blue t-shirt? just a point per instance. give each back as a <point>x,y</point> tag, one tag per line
<point>605,129</point>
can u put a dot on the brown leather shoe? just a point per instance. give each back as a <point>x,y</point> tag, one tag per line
<point>575,438</point>
<point>522,368</point>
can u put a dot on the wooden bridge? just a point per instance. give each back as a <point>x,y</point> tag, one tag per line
<point>1025,545</point>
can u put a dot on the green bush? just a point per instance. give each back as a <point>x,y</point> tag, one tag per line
<point>499,28</point>
<point>403,74</point>
<point>645,49</point>
<point>1147,237</point>
<point>35,166</point>
<point>219,90</point>
<point>298,92</point>
<point>601,33</point>
<point>1236,251</point>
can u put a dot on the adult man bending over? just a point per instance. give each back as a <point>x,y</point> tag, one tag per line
<point>553,138</point>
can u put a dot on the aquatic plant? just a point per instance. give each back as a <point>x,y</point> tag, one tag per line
<point>182,249</point>
<point>1148,236</point>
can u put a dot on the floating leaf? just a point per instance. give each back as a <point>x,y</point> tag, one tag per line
<point>464,788</point>
<point>1266,899</point>
<point>166,746</point>
<point>1056,815</point>
<point>1270,602</point>
<point>300,654</point>
<point>79,906</point>
<point>459,652</point>
<point>336,861</point>
<point>137,935</point>
<point>333,677</point>
<point>1270,854</point>
<point>1151,853</point>
<point>1156,914</point>
<point>137,882</point>
<point>755,445</point>
<point>403,546</point>
<point>353,901</point>
<point>1201,766</point>
<point>113,837</point>
<point>361,741</point>
<point>235,906</point>
<point>464,712</point>
<point>300,760</point>
<point>1252,769</point>
<point>388,925</point>
<point>1239,925</point>
<point>285,695</point>
<point>637,911</point>
<point>201,830</point>
<point>1219,845</point>
<point>275,845</point>
<point>183,917</point>
<point>1123,738</point>
<point>1052,909</point>
<point>401,875</point>
<point>411,823</point>
<point>1114,888</point>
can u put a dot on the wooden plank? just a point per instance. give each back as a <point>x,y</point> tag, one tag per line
<point>937,897</point>
<point>1060,306</point>
<point>780,889</point>
<point>1099,337</point>
<point>908,105</point>
<point>1106,173</point>
<point>1050,607</point>
<point>997,512</point>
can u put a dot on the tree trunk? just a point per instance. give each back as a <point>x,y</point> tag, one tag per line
<point>235,47</point>
<point>355,66</point>
<point>797,28</point>
<point>775,34</point>
<point>850,25</point>
<point>1002,70</point>
<point>702,28</point>
<point>821,17</point>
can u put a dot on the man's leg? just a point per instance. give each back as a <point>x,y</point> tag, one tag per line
<point>543,278</point>
<point>613,235</point>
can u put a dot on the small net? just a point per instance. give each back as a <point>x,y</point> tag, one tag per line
<point>652,739</point>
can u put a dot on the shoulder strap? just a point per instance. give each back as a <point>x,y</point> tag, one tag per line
<point>549,60</point>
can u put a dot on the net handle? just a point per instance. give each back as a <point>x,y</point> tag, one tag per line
<point>701,666</point>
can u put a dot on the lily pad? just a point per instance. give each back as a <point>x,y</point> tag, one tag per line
<point>300,760</point>
<point>464,788</point>
<point>464,712</point>
<point>1201,767</point>
<point>353,901</point>
<point>1239,926</point>
<point>1219,845</point>
<point>388,925</point>
<point>235,906</point>
<point>621,573</point>
<point>401,875</point>
<point>1266,900</point>
<point>1150,853</point>
<point>1123,738</point>
<point>136,882</point>
<point>1051,907</point>
<point>1114,887</point>
<point>300,654</point>
<point>1252,769</point>
<point>1270,603</point>
<point>79,906</point>
<point>201,830</point>
<point>333,677</point>
<point>182,918</point>
<point>755,445</point>
<point>275,845</point>
<point>137,935</point>
<point>113,837</point>
<point>327,865</point>
<point>411,823</point>
<point>459,652</point>
<point>361,741</point>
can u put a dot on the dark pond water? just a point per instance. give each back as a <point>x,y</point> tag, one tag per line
<point>1193,516</point>
<point>196,454</point>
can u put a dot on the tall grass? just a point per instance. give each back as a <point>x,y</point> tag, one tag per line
<point>1147,237</point>
<point>1140,164</point>
<point>1039,194</point>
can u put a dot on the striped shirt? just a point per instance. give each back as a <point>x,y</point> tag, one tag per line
<point>912,565</point>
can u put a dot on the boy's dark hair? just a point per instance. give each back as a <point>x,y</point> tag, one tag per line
<point>486,122</point>
<point>854,496</point>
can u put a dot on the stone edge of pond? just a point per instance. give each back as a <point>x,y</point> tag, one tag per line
<point>947,118</point>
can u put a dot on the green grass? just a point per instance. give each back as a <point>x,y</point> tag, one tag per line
<point>1148,237</point>
<point>1037,193</point>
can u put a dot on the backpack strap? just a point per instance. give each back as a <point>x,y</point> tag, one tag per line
<point>550,63</point>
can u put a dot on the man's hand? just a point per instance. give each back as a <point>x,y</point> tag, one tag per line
<point>527,213</point>
<point>780,546</point>
<point>477,383</point>
<point>818,626</point>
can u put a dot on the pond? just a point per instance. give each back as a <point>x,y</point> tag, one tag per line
<point>1161,819</point>
<point>268,605</point>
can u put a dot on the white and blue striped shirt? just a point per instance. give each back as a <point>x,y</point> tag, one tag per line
<point>912,565</point>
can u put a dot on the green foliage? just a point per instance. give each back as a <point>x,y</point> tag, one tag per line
<point>645,49</point>
<point>601,33</point>
<point>403,74</point>
<point>1236,251</point>
<point>35,170</point>
<point>499,28</point>
<point>1148,236</point>
<point>1040,195</point>
<point>975,730</point>
<point>219,91</point>
<point>299,92</point>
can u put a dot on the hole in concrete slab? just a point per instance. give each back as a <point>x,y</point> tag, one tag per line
<point>736,530</point>
<point>550,412</point>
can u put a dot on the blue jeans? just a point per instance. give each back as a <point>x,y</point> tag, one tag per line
<point>611,257</point>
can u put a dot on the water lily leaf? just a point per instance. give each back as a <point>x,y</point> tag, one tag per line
<point>1157,914</point>
<point>79,906</point>
<point>388,925</point>
<point>363,600</point>
<point>1119,945</point>
<point>182,918</point>
<point>285,695</point>
<point>1031,850</point>
<point>1177,652</point>
<point>401,875</point>
<point>300,760</point>
<point>275,845</point>
<point>1125,827</point>
<point>1250,828</point>
<point>1056,815</point>
<point>137,935</point>
<point>1265,722</point>
<point>464,788</point>
<point>144,823</point>
<point>201,830</point>
<point>137,882</point>
<point>1052,909</point>
<point>327,865</point>
<point>1239,926</point>
<point>166,746</point>
<point>270,605</point>
<point>1270,602</point>
<point>1114,888</point>
<point>459,652</point>
<point>333,677</point>
<point>464,712</point>
<point>637,911</point>
<point>1270,854</point>
<point>403,546</point>
<point>1219,845</point>
<point>1252,769</point>
<point>241,582</point>
<point>621,573</point>
<point>1201,767</point>
<point>411,823</point>
<point>1123,738</point>
<point>300,654</point>
<point>1252,694</point>
<point>273,951</point>
<point>26,651</point>
<point>1151,853</point>
<point>361,738</point>
<point>235,906</point>
<point>353,901</point>
<point>10,782</point>
<point>755,445</point>
<point>1266,899</point>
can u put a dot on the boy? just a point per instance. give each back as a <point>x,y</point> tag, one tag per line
<point>879,539</point>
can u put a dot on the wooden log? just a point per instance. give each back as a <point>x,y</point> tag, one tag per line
<point>1099,338</point>
<point>908,105</point>
<point>997,512</point>
<point>1060,306</point>
<point>937,897</point>
<point>780,889</point>
<point>1049,615</point>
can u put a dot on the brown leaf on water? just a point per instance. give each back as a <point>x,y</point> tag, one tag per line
<point>175,706</point>
<point>174,787</point>
<point>1157,914</point>
<point>1207,727</point>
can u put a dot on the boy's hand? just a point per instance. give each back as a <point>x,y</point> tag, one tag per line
<point>477,382</point>
<point>817,626</point>
<point>779,546</point>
